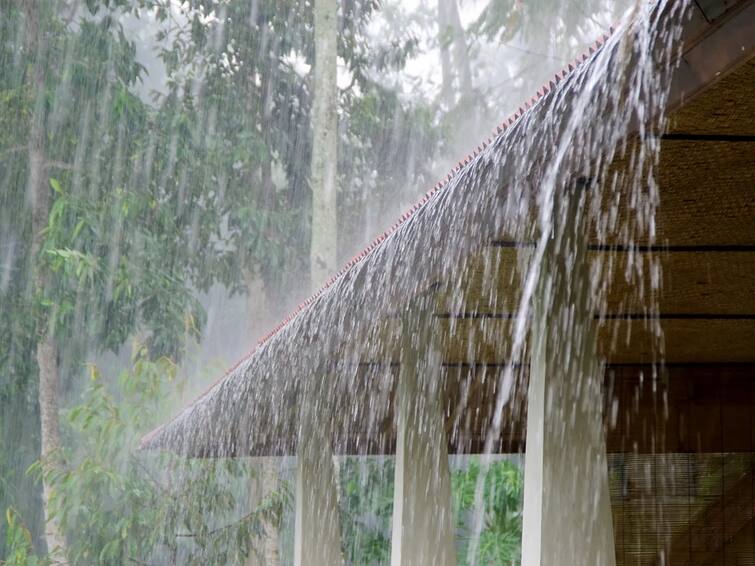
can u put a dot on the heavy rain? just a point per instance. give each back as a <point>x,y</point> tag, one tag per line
<point>363,282</point>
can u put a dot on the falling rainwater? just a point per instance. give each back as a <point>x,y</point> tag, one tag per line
<point>449,295</point>
<point>506,193</point>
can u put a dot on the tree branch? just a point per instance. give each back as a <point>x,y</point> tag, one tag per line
<point>248,518</point>
<point>59,165</point>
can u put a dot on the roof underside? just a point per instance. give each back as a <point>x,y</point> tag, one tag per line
<point>705,244</point>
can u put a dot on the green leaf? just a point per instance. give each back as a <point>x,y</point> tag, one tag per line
<point>77,230</point>
<point>55,184</point>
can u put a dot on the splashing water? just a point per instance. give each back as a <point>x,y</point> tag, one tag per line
<point>539,250</point>
<point>623,92</point>
<point>599,129</point>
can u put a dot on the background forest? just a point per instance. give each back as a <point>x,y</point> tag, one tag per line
<point>156,218</point>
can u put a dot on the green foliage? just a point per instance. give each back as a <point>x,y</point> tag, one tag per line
<point>366,507</point>
<point>501,536</point>
<point>18,543</point>
<point>99,289</point>
<point>119,505</point>
<point>545,21</point>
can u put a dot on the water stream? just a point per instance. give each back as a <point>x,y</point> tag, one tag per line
<point>140,236</point>
<point>599,128</point>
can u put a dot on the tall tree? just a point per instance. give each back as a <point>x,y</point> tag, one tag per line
<point>323,179</point>
<point>39,193</point>
<point>462,104</point>
<point>86,231</point>
<point>455,65</point>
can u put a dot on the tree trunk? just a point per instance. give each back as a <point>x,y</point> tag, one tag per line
<point>446,67</point>
<point>47,355</point>
<point>317,528</point>
<point>47,359</point>
<point>260,319</point>
<point>260,314</point>
<point>323,251</point>
<point>455,66</point>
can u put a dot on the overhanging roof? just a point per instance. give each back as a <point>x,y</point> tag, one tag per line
<point>455,244</point>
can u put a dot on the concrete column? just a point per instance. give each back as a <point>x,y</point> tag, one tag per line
<point>317,536</point>
<point>567,509</point>
<point>423,526</point>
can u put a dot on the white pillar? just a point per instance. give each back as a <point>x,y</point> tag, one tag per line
<point>317,530</point>
<point>567,509</point>
<point>423,525</point>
